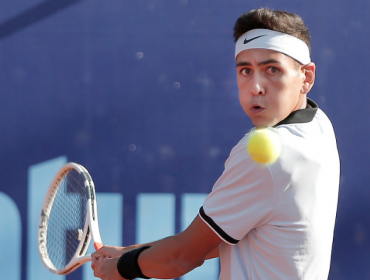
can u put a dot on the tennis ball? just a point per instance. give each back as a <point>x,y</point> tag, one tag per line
<point>264,145</point>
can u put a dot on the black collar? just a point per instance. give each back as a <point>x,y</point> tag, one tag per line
<point>301,116</point>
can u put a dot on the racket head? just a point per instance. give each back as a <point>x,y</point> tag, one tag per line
<point>68,216</point>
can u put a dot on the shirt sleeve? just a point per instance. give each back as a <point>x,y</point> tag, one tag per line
<point>243,197</point>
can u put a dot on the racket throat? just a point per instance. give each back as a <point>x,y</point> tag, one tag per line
<point>86,242</point>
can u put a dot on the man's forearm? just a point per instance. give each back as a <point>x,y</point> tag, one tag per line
<point>166,258</point>
<point>214,254</point>
<point>176,255</point>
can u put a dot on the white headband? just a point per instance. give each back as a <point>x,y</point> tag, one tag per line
<point>272,40</point>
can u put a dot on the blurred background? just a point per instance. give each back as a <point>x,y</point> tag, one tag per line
<point>143,93</point>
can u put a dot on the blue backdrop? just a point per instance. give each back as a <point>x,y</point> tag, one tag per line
<point>143,93</point>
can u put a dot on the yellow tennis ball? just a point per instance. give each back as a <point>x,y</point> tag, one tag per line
<point>264,145</point>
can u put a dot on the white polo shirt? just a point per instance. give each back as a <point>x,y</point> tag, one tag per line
<point>277,221</point>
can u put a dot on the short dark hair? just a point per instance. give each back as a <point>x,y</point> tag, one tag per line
<point>278,20</point>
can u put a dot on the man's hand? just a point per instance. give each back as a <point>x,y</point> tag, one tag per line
<point>110,251</point>
<point>105,268</point>
<point>104,261</point>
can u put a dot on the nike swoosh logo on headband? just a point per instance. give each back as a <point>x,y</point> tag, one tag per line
<point>247,41</point>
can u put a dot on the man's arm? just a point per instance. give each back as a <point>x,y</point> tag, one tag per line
<point>175,256</point>
<point>214,254</point>
<point>171,257</point>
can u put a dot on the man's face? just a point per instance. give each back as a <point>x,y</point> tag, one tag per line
<point>270,86</point>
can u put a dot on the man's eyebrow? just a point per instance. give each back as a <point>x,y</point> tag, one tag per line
<point>269,61</point>
<point>243,63</point>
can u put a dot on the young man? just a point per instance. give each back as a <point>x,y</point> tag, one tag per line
<point>273,221</point>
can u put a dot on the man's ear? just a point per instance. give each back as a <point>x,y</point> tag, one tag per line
<point>309,71</point>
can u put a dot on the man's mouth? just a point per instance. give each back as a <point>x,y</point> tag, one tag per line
<point>257,108</point>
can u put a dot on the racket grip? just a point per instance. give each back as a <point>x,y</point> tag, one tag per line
<point>97,245</point>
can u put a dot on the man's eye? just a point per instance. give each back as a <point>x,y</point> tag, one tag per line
<point>246,71</point>
<point>273,70</point>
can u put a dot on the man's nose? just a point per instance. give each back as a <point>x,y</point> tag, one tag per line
<point>257,87</point>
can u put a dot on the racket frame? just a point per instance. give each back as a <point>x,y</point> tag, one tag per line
<point>91,227</point>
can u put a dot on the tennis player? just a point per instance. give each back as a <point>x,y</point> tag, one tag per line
<point>265,222</point>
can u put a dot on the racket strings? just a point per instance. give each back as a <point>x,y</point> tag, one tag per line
<point>67,218</point>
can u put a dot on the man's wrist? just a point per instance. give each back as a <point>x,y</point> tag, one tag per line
<point>128,266</point>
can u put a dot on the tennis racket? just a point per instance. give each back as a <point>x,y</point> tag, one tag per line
<point>68,220</point>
